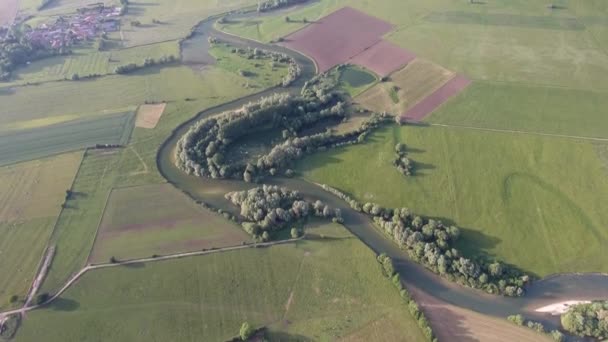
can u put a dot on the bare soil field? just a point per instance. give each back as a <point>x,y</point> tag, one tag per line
<point>471,326</point>
<point>383,58</point>
<point>338,37</point>
<point>148,115</point>
<point>8,11</point>
<point>406,87</point>
<point>425,107</point>
<point>158,219</point>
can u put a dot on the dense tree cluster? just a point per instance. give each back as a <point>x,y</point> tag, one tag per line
<point>518,319</point>
<point>269,208</point>
<point>293,71</point>
<point>589,320</point>
<point>388,270</point>
<point>129,68</point>
<point>430,243</point>
<point>16,49</point>
<point>269,5</point>
<point>201,150</point>
<point>401,161</point>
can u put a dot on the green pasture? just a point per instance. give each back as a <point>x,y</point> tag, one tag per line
<point>261,73</point>
<point>30,144</point>
<point>75,229</point>
<point>326,288</point>
<point>176,18</point>
<point>355,80</point>
<point>514,41</point>
<point>109,94</point>
<point>31,195</point>
<point>532,201</point>
<point>528,108</point>
<point>88,61</point>
<point>142,221</point>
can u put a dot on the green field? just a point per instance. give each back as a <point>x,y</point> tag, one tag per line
<point>112,93</point>
<point>528,108</point>
<point>139,222</point>
<point>532,201</point>
<point>177,17</point>
<point>75,229</point>
<point>88,61</point>
<point>320,289</point>
<point>31,195</point>
<point>40,142</point>
<point>261,74</point>
<point>355,80</point>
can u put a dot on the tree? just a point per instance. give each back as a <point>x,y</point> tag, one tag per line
<point>265,236</point>
<point>42,298</point>
<point>295,233</point>
<point>246,331</point>
<point>517,319</point>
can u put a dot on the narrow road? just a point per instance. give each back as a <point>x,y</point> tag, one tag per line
<point>77,276</point>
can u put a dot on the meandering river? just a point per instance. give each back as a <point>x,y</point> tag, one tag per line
<point>421,282</point>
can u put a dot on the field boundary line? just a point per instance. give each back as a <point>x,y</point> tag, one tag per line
<point>538,85</point>
<point>50,239</point>
<point>498,130</point>
<point>103,213</point>
<point>92,267</point>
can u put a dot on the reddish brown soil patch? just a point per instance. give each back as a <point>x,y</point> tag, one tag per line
<point>8,11</point>
<point>148,115</point>
<point>451,323</point>
<point>383,58</point>
<point>338,37</point>
<point>437,98</point>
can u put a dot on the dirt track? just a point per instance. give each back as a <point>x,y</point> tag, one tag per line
<point>88,268</point>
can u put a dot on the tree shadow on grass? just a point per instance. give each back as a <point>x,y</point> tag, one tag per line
<point>280,336</point>
<point>64,304</point>
<point>134,265</point>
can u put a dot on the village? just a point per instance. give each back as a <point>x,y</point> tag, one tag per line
<point>87,24</point>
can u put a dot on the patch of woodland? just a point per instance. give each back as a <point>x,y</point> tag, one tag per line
<point>431,243</point>
<point>587,320</point>
<point>202,150</point>
<point>269,208</point>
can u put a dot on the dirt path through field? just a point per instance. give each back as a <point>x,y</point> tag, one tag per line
<point>578,137</point>
<point>88,268</point>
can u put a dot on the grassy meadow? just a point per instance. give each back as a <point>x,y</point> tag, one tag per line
<point>88,61</point>
<point>75,229</point>
<point>31,195</point>
<point>176,18</point>
<point>528,108</point>
<point>74,135</point>
<point>355,80</point>
<point>317,289</point>
<point>139,222</point>
<point>260,72</point>
<point>532,201</point>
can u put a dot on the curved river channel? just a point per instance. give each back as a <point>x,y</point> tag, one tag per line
<point>423,284</point>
